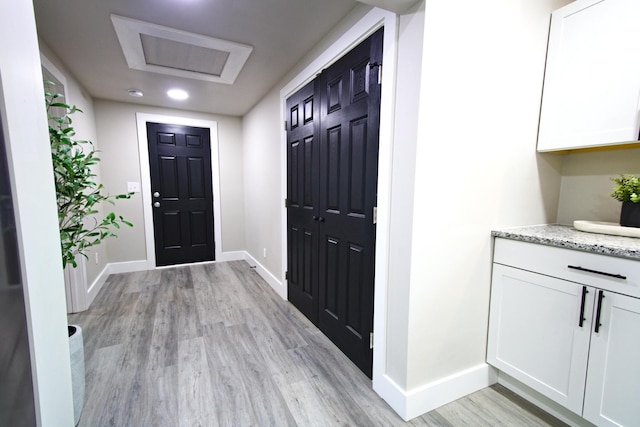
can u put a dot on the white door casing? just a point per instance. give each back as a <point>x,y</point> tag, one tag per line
<point>145,178</point>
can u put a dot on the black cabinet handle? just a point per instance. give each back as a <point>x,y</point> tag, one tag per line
<point>321,219</point>
<point>315,218</point>
<point>616,276</point>
<point>598,310</point>
<point>584,296</point>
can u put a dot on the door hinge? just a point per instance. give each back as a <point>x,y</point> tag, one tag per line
<point>370,340</point>
<point>286,275</point>
<point>286,203</point>
<point>375,214</point>
<point>286,125</point>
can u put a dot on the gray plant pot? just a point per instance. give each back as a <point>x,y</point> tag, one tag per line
<point>76,349</point>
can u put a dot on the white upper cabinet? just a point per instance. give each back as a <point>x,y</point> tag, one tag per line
<point>591,94</point>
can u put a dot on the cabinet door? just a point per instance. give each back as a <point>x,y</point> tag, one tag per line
<point>534,333</point>
<point>612,396</point>
<point>592,77</point>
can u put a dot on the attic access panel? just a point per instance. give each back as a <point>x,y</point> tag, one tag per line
<point>158,49</point>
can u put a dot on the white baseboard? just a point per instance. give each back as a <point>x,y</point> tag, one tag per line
<point>542,402</point>
<point>431,396</point>
<point>392,393</point>
<point>127,267</point>
<point>273,281</point>
<point>97,284</point>
<point>232,256</point>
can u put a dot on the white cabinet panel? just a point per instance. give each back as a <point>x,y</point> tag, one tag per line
<point>592,78</point>
<point>612,396</point>
<point>534,333</point>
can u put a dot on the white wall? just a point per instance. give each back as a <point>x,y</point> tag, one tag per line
<point>25,126</point>
<point>586,184</point>
<point>263,200</point>
<point>482,74</point>
<point>117,132</point>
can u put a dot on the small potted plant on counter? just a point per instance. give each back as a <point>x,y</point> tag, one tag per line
<point>627,191</point>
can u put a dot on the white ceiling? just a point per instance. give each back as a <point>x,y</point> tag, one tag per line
<point>281,32</point>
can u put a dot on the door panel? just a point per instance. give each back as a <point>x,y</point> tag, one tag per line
<point>348,192</point>
<point>302,191</point>
<point>180,163</point>
<point>338,172</point>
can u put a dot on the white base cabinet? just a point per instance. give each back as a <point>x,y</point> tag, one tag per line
<point>554,331</point>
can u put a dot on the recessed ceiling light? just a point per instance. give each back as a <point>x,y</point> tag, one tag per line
<point>178,94</point>
<point>136,93</point>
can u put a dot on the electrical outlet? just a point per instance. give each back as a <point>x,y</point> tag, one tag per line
<point>264,252</point>
<point>133,187</point>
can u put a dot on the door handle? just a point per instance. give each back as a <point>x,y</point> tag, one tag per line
<point>156,194</point>
<point>156,204</point>
<point>584,296</point>
<point>321,219</point>
<point>596,329</point>
<point>315,218</point>
<point>616,276</point>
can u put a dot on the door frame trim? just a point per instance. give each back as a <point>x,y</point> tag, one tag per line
<point>328,54</point>
<point>145,177</point>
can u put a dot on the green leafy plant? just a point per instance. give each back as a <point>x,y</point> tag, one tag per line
<point>77,193</point>
<point>627,188</point>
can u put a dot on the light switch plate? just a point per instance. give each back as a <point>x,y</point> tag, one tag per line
<point>133,187</point>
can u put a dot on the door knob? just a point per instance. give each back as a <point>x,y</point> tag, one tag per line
<point>315,218</point>
<point>156,204</point>
<point>321,219</point>
<point>156,194</point>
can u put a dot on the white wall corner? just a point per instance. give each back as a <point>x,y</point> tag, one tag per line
<point>273,281</point>
<point>438,393</point>
<point>97,284</point>
<point>419,401</point>
<point>392,393</point>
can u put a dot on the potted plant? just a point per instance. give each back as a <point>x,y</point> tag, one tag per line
<point>627,190</point>
<point>78,197</point>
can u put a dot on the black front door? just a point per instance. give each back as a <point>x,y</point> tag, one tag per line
<point>182,194</point>
<point>332,140</point>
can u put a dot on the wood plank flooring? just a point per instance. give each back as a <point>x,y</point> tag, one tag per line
<point>213,345</point>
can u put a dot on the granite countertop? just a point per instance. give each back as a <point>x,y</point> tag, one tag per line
<point>568,237</point>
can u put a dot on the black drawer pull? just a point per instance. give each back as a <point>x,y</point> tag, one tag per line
<point>584,296</point>
<point>616,276</point>
<point>596,329</point>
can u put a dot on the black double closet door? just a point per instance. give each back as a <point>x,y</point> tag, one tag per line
<point>332,170</point>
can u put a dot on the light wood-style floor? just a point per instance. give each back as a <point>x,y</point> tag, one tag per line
<point>213,345</point>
